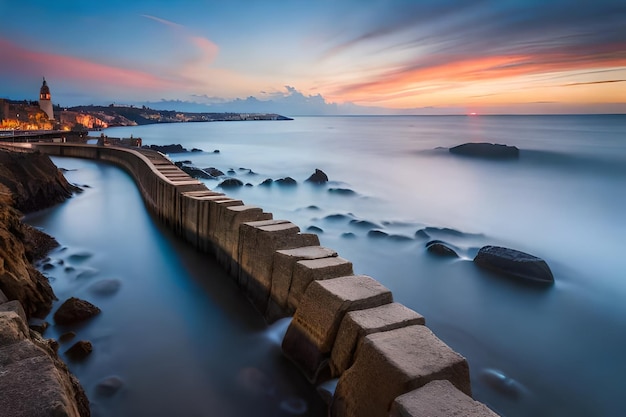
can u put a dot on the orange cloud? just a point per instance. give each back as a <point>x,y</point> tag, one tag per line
<point>454,72</point>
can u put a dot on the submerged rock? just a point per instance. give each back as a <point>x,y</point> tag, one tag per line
<point>267,181</point>
<point>286,181</point>
<point>439,248</point>
<point>79,350</point>
<point>214,171</point>
<point>74,310</point>
<point>318,177</point>
<point>486,150</point>
<point>109,386</point>
<point>515,263</point>
<point>230,183</point>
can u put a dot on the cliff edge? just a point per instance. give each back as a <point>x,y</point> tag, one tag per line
<point>33,381</point>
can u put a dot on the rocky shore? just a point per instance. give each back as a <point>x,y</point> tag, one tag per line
<point>34,381</point>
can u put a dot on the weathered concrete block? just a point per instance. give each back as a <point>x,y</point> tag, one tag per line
<point>312,332</point>
<point>13,326</point>
<point>405,359</point>
<point>357,324</point>
<point>282,272</point>
<point>307,271</point>
<point>438,399</point>
<point>227,232</point>
<point>258,241</point>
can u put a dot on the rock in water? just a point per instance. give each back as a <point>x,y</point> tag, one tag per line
<point>486,150</point>
<point>230,183</point>
<point>79,350</point>
<point>286,181</point>
<point>318,177</point>
<point>437,247</point>
<point>515,263</point>
<point>74,310</point>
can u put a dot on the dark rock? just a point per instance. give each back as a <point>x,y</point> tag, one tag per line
<point>249,185</point>
<point>348,235</point>
<point>74,310</point>
<point>216,151</point>
<point>214,171</point>
<point>439,248</point>
<point>315,229</point>
<point>79,257</point>
<point>196,172</point>
<point>377,234</point>
<point>67,336</point>
<point>318,177</point>
<point>400,238</point>
<point>109,386</point>
<point>336,217</point>
<point>230,183</point>
<point>267,182</point>
<point>421,234</point>
<point>33,179</point>
<point>486,150</point>
<point>515,263</point>
<point>342,191</point>
<point>47,266</point>
<point>173,148</point>
<point>196,150</point>
<point>286,181</point>
<point>364,224</point>
<point>38,325</point>
<point>231,172</point>
<point>79,350</point>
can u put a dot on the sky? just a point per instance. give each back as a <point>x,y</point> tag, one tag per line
<point>320,56</point>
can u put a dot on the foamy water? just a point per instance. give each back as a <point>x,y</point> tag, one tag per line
<point>532,351</point>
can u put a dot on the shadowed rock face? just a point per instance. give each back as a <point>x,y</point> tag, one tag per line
<point>486,150</point>
<point>33,180</point>
<point>515,263</point>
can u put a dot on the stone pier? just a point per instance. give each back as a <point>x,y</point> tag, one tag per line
<point>345,326</point>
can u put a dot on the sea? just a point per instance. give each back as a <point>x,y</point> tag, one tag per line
<point>176,337</point>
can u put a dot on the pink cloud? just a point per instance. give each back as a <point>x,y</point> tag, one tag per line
<point>18,60</point>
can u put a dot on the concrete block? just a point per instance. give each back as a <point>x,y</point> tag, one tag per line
<point>258,242</point>
<point>357,324</point>
<point>312,332</point>
<point>282,272</point>
<point>226,232</point>
<point>307,271</point>
<point>438,399</point>
<point>404,359</point>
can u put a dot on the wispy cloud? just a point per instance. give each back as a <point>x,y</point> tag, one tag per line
<point>594,82</point>
<point>98,76</point>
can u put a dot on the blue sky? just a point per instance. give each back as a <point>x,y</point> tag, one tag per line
<point>428,56</point>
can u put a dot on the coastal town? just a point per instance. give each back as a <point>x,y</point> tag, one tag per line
<point>27,115</point>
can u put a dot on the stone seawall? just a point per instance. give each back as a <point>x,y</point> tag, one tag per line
<point>345,326</point>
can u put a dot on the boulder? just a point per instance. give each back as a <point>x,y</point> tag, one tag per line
<point>514,263</point>
<point>286,181</point>
<point>486,150</point>
<point>318,177</point>
<point>267,181</point>
<point>439,248</point>
<point>74,310</point>
<point>230,183</point>
<point>79,350</point>
<point>214,171</point>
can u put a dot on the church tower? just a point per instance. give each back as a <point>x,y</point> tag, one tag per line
<point>44,100</point>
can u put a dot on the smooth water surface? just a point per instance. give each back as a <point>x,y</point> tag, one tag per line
<point>174,327</point>
<point>554,351</point>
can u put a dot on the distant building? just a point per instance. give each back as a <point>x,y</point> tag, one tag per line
<point>44,100</point>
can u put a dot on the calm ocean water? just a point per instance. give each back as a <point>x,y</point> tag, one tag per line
<point>553,351</point>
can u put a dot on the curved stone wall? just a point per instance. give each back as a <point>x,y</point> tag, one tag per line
<point>345,326</point>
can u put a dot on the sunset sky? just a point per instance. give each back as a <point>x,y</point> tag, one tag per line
<point>421,56</point>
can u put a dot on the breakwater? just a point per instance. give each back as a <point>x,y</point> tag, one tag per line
<point>344,325</point>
